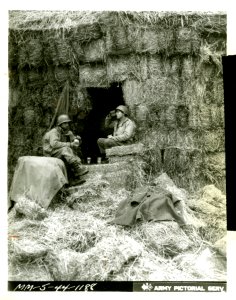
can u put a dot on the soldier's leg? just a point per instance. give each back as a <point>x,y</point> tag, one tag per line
<point>74,162</point>
<point>104,144</point>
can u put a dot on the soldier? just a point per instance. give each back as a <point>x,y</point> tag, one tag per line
<point>123,133</point>
<point>61,143</point>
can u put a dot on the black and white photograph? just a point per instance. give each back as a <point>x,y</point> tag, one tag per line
<point>116,168</point>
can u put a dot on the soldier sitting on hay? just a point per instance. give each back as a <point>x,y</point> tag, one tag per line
<point>124,130</point>
<point>61,143</point>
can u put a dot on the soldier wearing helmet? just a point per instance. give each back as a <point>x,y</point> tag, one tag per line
<point>123,130</point>
<point>60,142</point>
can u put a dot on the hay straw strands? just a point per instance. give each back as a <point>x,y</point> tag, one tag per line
<point>187,41</point>
<point>39,20</point>
<point>120,68</point>
<point>93,51</point>
<point>63,51</point>
<point>26,250</point>
<point>69,230</point>
<point>93,76</point>
<point>146,40</point>
<point>166,238</point>
<point>108,257</point>
<point>131,89</point>
<point>30,52</point>
<point>30,209</point>
<point>35,78</point>
<point>117,40</point>
<point>213,141</point>
<point>61,74</point>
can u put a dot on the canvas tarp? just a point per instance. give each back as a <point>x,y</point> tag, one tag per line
<point>148,204</point>
<point>38,178</point>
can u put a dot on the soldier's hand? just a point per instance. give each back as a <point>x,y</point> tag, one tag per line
<point>75,143</point>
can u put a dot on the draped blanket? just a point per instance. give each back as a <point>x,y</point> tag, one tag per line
<point>38,178</point>
<point>147,204</point>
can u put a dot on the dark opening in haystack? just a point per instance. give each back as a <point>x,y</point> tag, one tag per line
<point>103,100</point>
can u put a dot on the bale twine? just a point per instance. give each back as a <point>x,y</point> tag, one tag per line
<point>187,41</point>
<point>31,210</point>
<point>94,51</point>
<point>91,76</point>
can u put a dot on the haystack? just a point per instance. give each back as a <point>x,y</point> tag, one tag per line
<point>162,60</point>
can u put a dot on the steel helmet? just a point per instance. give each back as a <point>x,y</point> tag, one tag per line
<point>123,108</point>
<point>63,119</point>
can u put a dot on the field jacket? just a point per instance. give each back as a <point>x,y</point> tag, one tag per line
<point>55,139</point>
<point>124,130</point>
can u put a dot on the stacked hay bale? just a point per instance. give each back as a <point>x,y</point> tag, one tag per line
<point>169,67</point>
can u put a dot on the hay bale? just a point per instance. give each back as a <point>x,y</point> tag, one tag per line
<point>31,210</point>
<point>144,39</point>
<point>166,238</point>
<point>91,76</point>
<point>87,32</point>
<point>94,51</point>
<point>120,68</point>
<point>108,257</point>
<point>187,41</point>
<point>35,52</point>
<point>214,170</point>
<point>132,92</point>
<point>117,40</point>
<point>61,74</point>
<point>213,141</point>
<point>125,150</point>
<point>26,250</point>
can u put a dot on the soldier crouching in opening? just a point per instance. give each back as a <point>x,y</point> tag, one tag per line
<point>123,133</point>
<point>61,143</point>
